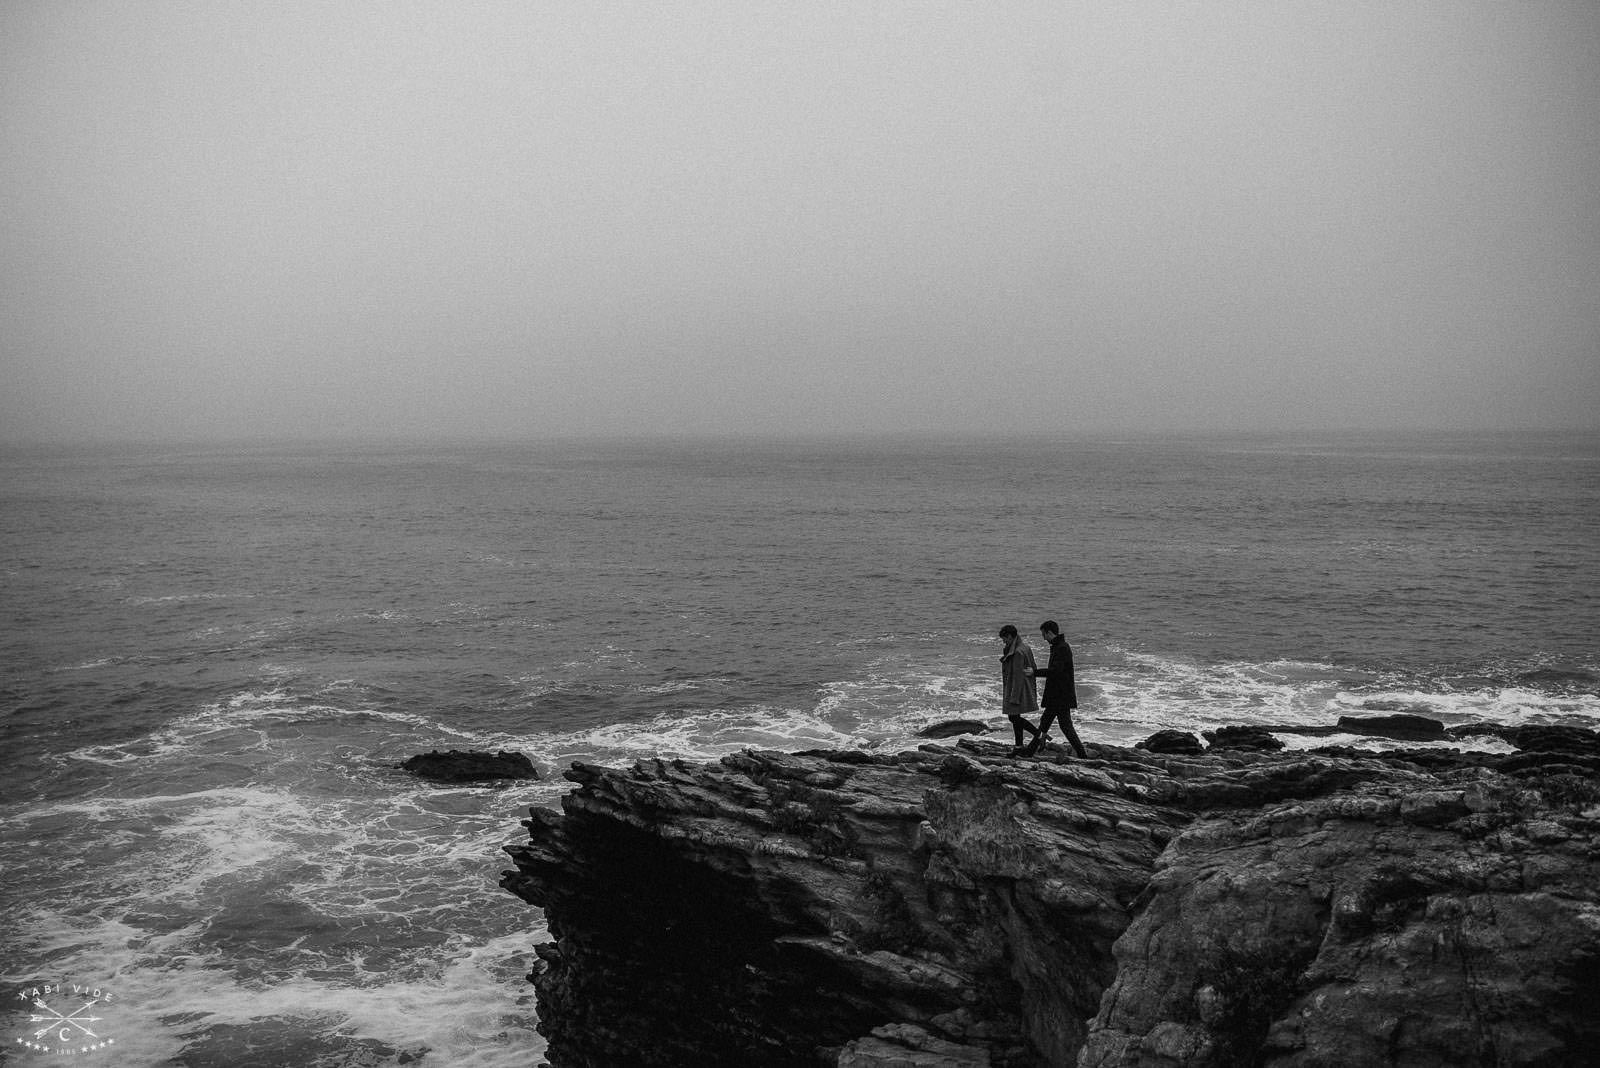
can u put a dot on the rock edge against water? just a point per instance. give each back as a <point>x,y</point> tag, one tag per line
<point>952,907</point>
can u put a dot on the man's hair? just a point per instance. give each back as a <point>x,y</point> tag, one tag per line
<point>1008,631</point>
<point>1051,626</point>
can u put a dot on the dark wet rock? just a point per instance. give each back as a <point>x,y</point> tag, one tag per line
<point>1172,742</point>
<point>1549,751</point>
<point>952,907</point>
<point>1401,726</point>
<point>1541,739</point>
<point>951,728</point>
<point>1543,750</point>
<point>1433,927</point>
<point>1249,738</point>
<point>463,766</point>
<point>1549,763</point>
<point>1430,760</point>
<point>1404,726</point>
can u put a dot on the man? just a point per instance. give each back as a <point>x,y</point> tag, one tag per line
<point>1060,690</point>
<point>1017,695</point>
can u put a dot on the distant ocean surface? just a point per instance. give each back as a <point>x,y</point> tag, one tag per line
<point>213,657</point>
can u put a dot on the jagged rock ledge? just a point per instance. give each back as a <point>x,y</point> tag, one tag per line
<point>952,907</point>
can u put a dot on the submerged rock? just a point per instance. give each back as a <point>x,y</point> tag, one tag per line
<point>954,907</point>
<point>463,766</point>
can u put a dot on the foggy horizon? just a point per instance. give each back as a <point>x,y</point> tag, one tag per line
<point>503,221</point>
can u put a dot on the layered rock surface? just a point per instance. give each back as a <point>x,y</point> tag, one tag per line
<point>952,907</point>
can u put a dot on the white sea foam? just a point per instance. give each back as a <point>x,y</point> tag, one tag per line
<point>882,710</point>
<point>1512,706</point>
<point>698,736</point>
<point>1154,693</point>
<point>678,686</point>
<point>174,847</point>
<point>366,922</point>
<point>217,727</point>
<point>468,1004</point>
<point>1370,743</point>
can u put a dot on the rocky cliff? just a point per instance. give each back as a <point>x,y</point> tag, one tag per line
<point>953,907</point>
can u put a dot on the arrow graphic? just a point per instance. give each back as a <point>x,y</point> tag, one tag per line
<point>56,1018</point>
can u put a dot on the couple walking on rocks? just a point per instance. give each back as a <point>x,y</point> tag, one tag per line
<point>1018,673</point>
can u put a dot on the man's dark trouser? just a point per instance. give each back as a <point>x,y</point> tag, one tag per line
<point>1066,728</point>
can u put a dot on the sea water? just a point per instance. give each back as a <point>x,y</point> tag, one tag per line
<point>214,657</point>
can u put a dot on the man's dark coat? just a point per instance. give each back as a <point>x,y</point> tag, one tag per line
<point>1060,685</point>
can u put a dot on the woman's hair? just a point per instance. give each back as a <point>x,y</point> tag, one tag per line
<point>1008,631</point>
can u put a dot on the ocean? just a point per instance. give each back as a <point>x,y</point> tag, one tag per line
<point>214,657</point>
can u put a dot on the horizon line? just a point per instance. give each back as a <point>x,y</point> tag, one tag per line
<point>711,436</point>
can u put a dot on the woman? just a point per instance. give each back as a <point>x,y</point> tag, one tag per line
<point>1017,685</point>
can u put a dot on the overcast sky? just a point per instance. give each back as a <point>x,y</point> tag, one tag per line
<point>340,218</point>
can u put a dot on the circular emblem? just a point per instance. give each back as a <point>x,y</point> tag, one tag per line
<point>66,1018</point>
